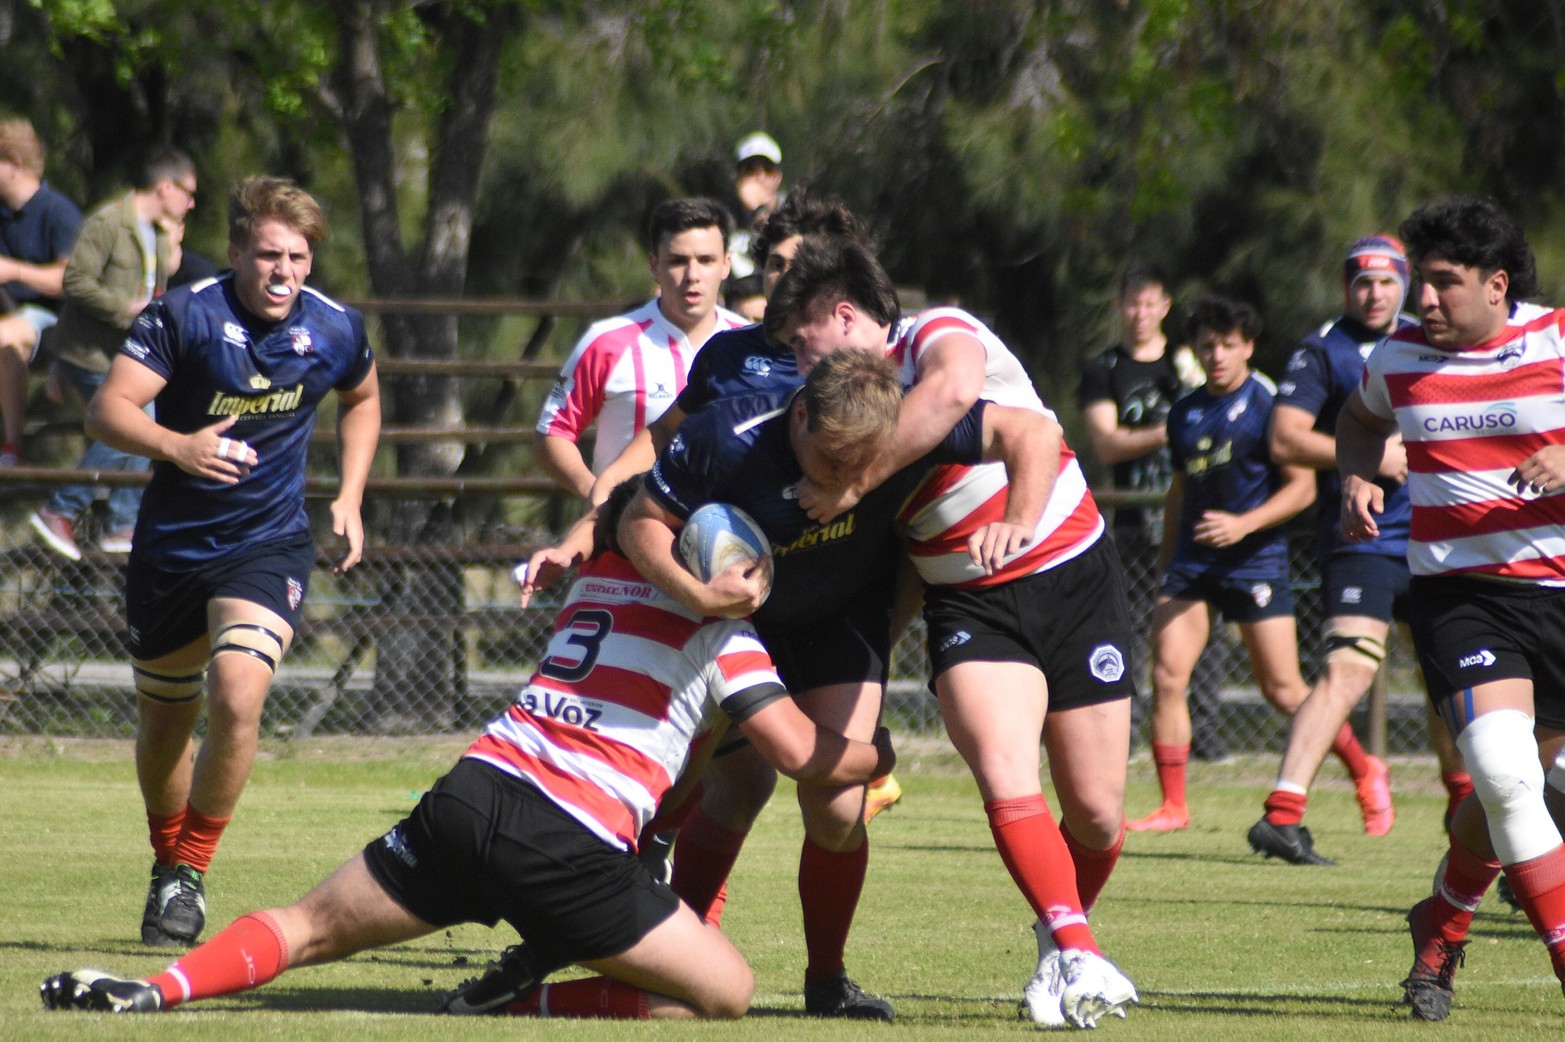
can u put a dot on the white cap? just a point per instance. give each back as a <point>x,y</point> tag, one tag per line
<point>759,144</point>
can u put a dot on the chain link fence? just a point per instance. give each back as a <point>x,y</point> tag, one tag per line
<point>427,639</point>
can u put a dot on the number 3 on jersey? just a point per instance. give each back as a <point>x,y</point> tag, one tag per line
<point>585,632</point>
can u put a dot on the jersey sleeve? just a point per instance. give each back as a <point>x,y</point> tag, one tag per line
<point>577,395</point>
<point>1095,385</point>
<point>965,443</point>
<point>1306,384</point>
<point>685,474</point>
<point>698,383</point>
<point>153,340</point>
<point>741,679</point>
<point>363,356</point>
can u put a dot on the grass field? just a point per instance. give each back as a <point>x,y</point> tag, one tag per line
<point>1222,945</point>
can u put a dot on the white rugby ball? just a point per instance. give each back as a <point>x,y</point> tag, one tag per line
<point>718,536</point>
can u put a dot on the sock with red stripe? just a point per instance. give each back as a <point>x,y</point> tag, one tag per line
<point>198,839</point>
<point>164,830</point>
<point>703,858</point>
<point>1347,749</point>
<point>1286,808</point>
<point>1171,760</point>
<point>829,886</point>
<point>1467,877</point>
<point>1036,855</point>
<point>599,997</point>
<point>1093,867</point>
<point>1539,886</point>
<point>245,955</point>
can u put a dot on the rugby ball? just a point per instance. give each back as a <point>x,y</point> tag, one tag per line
<point>718,536</point>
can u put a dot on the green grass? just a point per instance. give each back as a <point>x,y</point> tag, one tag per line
<point>1223,945</point>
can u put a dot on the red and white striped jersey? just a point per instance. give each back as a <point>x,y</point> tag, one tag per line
<point>1468,418</point>
<point>957,500</point>
<point>630,682</point>
<point>623,373</point>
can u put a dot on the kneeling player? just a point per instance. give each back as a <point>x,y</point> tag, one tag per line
<point>537,823</point>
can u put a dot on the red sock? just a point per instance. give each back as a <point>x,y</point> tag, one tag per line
<point>829,888</point>
<point>164,829</point>
<point>1039,861</point>
<point>601,997</point>
<point>1171,761</point>
<point>1466,879</point>
<point>1539,886</point>
<point>249,952</point>
<point>703,857</point>
<point>1286,808</point>
<point>1350,752</point>
<point>1458,786</point>
<point>198,839</point>
<point>1093,867</point>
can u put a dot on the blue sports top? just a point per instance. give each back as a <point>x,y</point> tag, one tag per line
<point>737,451</point>
<point>43,231</point>
<point>737,361</point>
<point>1323,370</point>
<point>1220,445</point>
<point>220,361</point>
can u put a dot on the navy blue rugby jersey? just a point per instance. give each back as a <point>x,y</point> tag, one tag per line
<point>221,361</point>
<point>737,451</point>
<point>737,361</point>
<point>1323,370</point>
<point>1220,445</point>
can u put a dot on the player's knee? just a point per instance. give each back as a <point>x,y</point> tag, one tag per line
<point>1502,757</point>
<point>251,640</point>
<point>1556,775</point>
<point>1354,650</point>
<point>167,687</point>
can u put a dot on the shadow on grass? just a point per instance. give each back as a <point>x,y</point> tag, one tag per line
<point>405,958</point>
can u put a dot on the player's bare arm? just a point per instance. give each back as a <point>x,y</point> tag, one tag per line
<point>1220,528</point>
<point>1361,446</point>
<point>562,458</point>
<point>804,751</point>
<point>48,280</point>
<point>117,416</point>
<point>647,534</point>
<point>1029,444</point>
<point>358,431</point>
<point>545,567</point>
<point>1293,439</point>
<point>1112,443</point>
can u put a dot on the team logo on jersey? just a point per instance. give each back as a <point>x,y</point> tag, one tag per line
<point>791,493</point>
<point>1238,409</point>
<point>224,404</point>
<point>557,392</point>
<point>1262,593</point>
<point>295,593</point>
<point>1107,663</point>
<point>1286,387</point>
<point>955,640</point>
<point>1482,657</point>
<point>302,344</point>
<point>136,349</point>
<point>815,535</point>
<point>1196,414</point>
<point>677,445</point>
<point>1297,361</point>
<point>755,365</point>
<point>1353,595</point>
<point>659,391</point>
<point>259,383</point>
<point>1499,415</point>
<point>1510,356</point>
<point>234,334</point>
<point>397,843</point>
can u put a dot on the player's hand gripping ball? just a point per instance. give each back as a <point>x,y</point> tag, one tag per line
<point>718,536</point>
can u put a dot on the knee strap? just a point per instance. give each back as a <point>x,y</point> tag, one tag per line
<point>1502,757</point>
<point>161,687</point>
<point>1347,646</point>
<point>249,638</point>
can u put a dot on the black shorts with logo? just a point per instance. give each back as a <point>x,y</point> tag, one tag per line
<point>1469,632</point>
<point>165,611</point>
<point>1238,600</point>
<point>483,845</point>
<point>1072,622</point>
<point>1371,585</point>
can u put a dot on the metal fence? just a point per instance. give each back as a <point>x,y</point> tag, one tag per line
<point>428,639</point>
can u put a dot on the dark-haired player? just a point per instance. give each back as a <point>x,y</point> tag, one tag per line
<point>1475,394</point>
<point>626,370</point>
<point>222,550</point>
